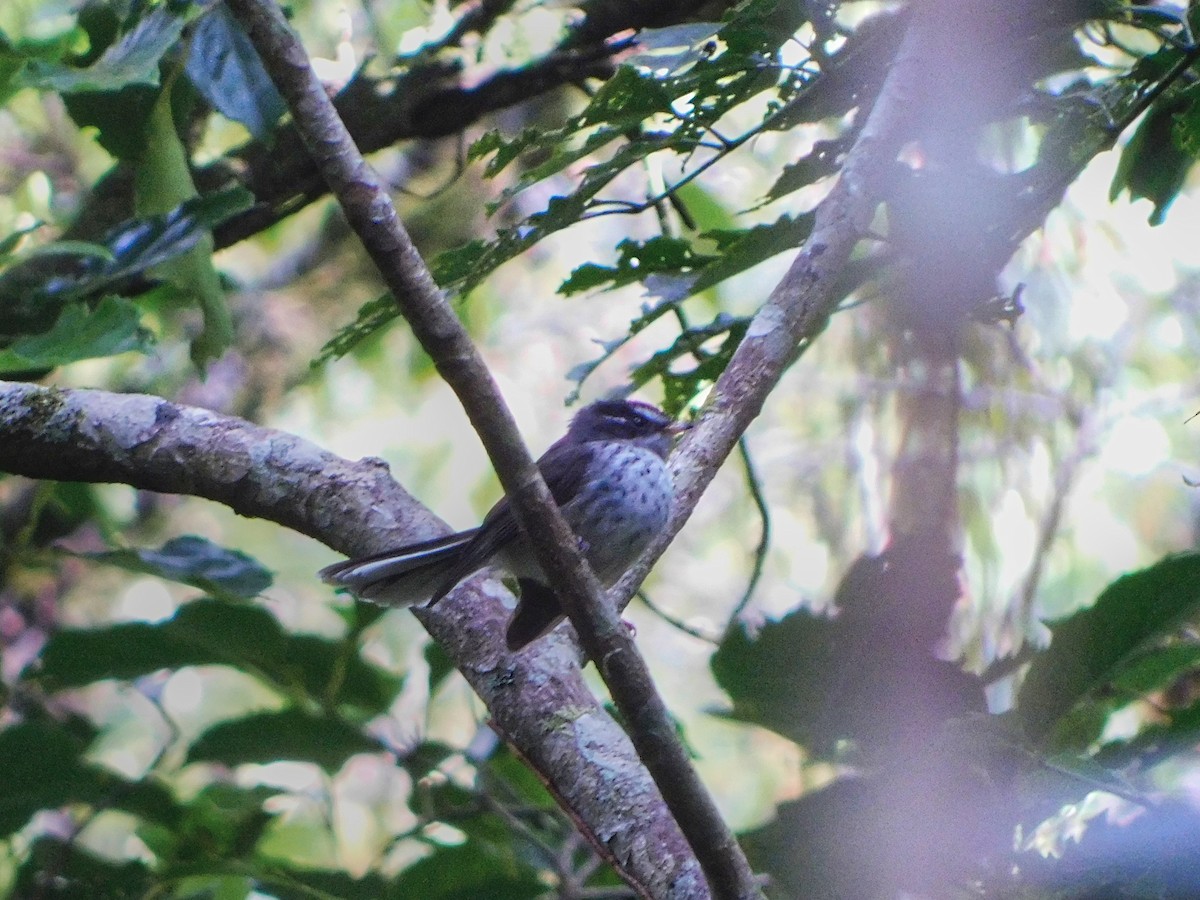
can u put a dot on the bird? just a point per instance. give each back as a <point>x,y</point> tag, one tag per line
<point>609,477</point>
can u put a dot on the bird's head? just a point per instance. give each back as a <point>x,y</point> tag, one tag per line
<point>626,420</point>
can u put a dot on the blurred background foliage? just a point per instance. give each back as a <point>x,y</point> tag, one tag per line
<point>985,453</point>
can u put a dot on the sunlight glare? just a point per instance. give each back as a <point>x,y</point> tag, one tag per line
<point>145,600</point>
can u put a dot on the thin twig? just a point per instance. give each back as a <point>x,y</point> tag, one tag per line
<point>754,486</point>
<point>678,623</point>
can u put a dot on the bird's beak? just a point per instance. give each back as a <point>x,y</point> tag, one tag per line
<point>675,429</point>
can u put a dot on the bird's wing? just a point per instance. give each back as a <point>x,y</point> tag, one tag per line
<point>564,467</point>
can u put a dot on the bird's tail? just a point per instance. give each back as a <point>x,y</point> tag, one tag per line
<point>399,577</point>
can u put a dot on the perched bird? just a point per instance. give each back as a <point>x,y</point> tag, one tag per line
<point>608,476</point>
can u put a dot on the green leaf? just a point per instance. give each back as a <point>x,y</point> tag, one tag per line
<point>288,735</point>
<point>650,314</point>
<point>35,288</point>
<point>112,328</point>
<point>1091,649</point>
<point>44,768</point>
<point>197,561</point>
<point>1153,164</point>
<point>132,60</point>
<point>78,249</point>
<point>703,364</point>
<point>373,316</point>
<point>519,779</point>
<point>130,650</point>
<point>468,870</point>
<point>31,752</point>
<point>561,154</point>
<point>9,244</point>
<point>118,118</point>
<point>1157,669</point>
<point>222,822</point>
<point>618,112</point>
<point>213,632</point>
<point>12,61</point>
<point>441,665</point>
<point>333,671</point>
<point>636,260</point>
<point>1186,126</point>
<point>822,681</point>
<point>626,99</point>
<point>162,181</point>
<point>226,70</point>
<point>63,870</point>
<point>1156,742</point>
<point>737,251</point>
<point>824,161</point>
<point>705,208</point>
<point>742,249</point>
<point>425,757</point>
<point>780,677</point>
<point>458,263</point>
<point>310,884</point>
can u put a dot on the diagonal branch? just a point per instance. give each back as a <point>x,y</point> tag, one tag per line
<point>801,304</point>
<point>356,507</point>
<point>369,211</point>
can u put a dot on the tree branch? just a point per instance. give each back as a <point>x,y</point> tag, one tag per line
<point>369,210</point>
<point>538,700</point>
<point>801,304</point>
<point>427,101</point>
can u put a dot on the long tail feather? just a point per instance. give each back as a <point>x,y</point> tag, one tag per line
<point>399,577</point>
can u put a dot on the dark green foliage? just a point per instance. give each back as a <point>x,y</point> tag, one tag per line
<point>440,665</point>
<point>644,90</point>
<point>779,677</point>
<point>464,871</point>
<point>866,680</point>
<point>57,870</point>
<point>1156,161</point>
<point>372,316</point>
<point>61,302</point>
<point>221,822</point>
<point>689,365</point>
<point>215,632</point>
<point>133,53</point>
<point>31,750</point>
<point>113,88</point>
<point>1109,654</point>
<point>112,327</point>
<point>195,561</point>
<point>636,261</point>
<point>131,59</point>
<point>947,784</point>
<point>214,837</point>
<point>322,740</point>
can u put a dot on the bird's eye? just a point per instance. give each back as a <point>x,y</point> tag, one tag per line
<point>631,419</point>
